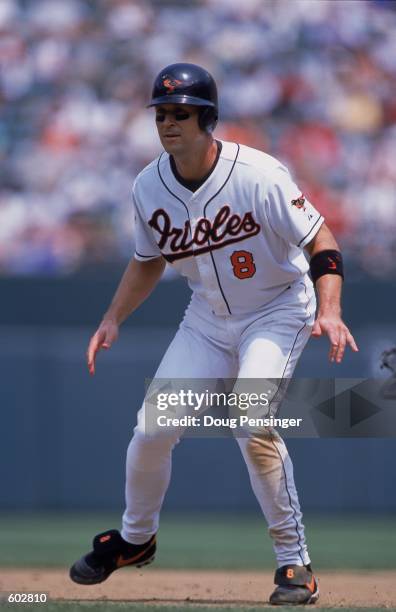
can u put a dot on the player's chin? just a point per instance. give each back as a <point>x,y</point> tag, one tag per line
<point>171,144</point>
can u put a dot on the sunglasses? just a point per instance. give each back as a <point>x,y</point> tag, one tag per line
<point>178,115</point>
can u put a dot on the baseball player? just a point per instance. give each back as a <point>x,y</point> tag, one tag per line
<point>231,220</point>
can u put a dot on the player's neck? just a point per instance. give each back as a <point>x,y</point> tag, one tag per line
<point>197,162</point>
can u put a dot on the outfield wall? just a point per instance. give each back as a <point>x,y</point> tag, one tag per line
<point>64,434</point>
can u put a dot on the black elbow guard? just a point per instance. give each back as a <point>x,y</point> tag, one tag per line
<point>326,262</point>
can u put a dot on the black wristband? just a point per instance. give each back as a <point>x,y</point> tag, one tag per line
<point>326,262</point>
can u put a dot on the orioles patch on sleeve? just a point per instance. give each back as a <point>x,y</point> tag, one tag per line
<point>299,202</point>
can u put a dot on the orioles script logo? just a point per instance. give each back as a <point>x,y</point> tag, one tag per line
<point>226,228</point>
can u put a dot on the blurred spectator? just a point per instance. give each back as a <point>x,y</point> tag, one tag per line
<point>309,82</point>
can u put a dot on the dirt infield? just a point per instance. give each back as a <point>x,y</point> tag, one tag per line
<point>344,589</point>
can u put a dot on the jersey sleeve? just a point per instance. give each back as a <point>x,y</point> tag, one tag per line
<point>145,246</point>
<point>289,213</point>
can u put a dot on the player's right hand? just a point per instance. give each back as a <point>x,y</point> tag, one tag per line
<point>103,338</point>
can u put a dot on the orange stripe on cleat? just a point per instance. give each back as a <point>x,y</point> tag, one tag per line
<point>121,561</point>
<point>104,539</point>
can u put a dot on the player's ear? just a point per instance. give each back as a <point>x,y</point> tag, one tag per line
<point>207,119</point>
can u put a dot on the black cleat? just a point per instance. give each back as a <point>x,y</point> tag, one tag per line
<point>297,586</point>
<point>110,552</point>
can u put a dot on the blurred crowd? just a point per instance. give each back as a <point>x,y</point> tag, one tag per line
<point>311,82</point>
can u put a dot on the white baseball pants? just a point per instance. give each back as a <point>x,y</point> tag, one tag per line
<point>263,344</point>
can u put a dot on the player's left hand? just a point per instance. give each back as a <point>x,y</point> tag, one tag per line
<point>339,335</point>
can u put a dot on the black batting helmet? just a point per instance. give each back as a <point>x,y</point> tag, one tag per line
<point>188,84</point>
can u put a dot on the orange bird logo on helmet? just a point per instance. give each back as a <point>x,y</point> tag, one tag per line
<point>171,84</point>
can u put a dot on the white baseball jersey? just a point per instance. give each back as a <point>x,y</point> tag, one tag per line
<point>238,239</point>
